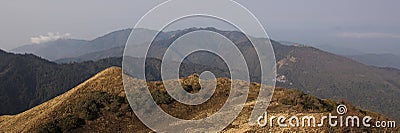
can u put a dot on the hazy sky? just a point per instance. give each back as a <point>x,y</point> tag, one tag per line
<point>367,24</point>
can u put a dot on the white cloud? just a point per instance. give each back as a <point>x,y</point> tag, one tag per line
<point>49,37</point>
<point>362,35</point>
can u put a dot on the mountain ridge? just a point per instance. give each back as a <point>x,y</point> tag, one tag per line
<point>66,113</point>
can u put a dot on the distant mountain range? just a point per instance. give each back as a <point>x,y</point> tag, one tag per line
<point>55,49</point>
<point>69,48</point>
<point>359,49</point>
<point>113,52</point>
<point>380,60</point>
<point>309,69</point>
<point>340,50</point>
<point>375,59</point>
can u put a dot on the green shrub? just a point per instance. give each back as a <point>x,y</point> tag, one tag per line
<point>70,122</point>
<point>91,106</point>
<point>90,109</point>
<point>329,104</point>
<point>64,124</point>
<point>287,101</point>
<point>311,103</point>
<point>188,88</point>
<point>161,97</point>
<point>49,128</point>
